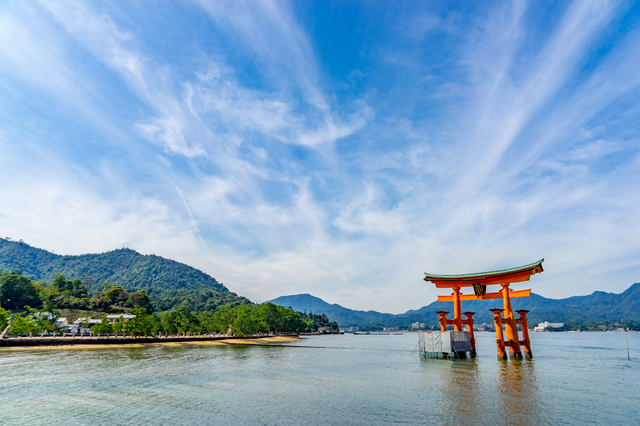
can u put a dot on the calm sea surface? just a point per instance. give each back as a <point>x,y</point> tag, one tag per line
<point>574,379</point>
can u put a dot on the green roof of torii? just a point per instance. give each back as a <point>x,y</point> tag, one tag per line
<point>481,275</point>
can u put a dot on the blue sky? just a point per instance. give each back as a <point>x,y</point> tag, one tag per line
<point>338,149</point>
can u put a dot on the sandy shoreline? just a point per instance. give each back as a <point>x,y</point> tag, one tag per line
<point>186,343</point>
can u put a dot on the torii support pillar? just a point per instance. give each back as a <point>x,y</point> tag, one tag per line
<point>457,318</point>
<point>497,319</point>
<point>525,333</point>
<point>443,320</point>
<point>511,328</point>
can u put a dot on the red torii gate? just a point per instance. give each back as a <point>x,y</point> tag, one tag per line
<point>479,282</point>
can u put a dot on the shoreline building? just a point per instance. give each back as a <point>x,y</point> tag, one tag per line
<point>417,325</point>
<point>542,326</point>
<point>111,319</point>
<point>84,325</point>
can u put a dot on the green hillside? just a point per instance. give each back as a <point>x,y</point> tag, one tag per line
<point>123,267</point>
<point>164,295</point>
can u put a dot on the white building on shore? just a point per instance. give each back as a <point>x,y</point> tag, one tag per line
<point>111,319</point>
<point>84,325</point>
<point>542,326</point>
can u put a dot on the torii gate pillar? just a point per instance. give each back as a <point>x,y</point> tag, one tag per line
<point>510,325</point>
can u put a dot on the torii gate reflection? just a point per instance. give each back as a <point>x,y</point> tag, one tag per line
<point>479,282</point>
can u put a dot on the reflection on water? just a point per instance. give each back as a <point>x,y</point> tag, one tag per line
<point>239,353</point>
<point>467,394</point>
<point>518,394</point>
<point>457,380</point>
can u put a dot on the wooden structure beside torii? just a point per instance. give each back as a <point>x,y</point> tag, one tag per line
<point>479,282</point>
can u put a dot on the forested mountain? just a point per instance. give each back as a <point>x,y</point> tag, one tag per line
<point>123,267</point>
<point>165,296</point>
<point>28,308</point>
<point>598,306</point>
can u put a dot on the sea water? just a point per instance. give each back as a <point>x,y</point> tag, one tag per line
<point>574,379</point>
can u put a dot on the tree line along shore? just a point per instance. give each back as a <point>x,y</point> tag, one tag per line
<point>30,308</point>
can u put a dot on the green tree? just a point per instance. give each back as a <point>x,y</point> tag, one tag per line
<point>4,319</point>
<point>293,321</point>
<point>46,292</point>
<point>115,294</point>
<point>65,294</point>
<point>118,326</point>
<point>247,321</point>
<point>75,288</point>
<point>188,321</point>
<point>223,318</point>
<point>273,316</point>
<point>170,322</point>
<point>60,283</point>
<point>17,291</point>
<point>103,327</point>
<point>78,289</point>
<point>141,300</point>
<point>22,325</point>
<point>207,324</point>
<point>142,324</point>
<point>156,321</point>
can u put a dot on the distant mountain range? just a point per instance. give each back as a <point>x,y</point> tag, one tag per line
<point>124,267</point>
<point>598,306</point>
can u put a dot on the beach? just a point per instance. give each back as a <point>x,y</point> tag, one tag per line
<point>70,343</point>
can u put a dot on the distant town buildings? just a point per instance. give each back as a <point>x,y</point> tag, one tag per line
<point>61,323</point>
<point>542,326</point>
<point>483,327</point>
<point>84,325</point>
<point>417,325</point>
